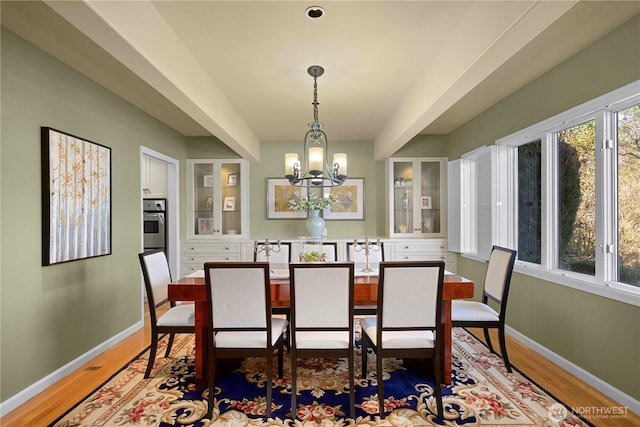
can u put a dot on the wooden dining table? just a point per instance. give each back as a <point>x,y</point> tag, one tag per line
<point>192,288</point>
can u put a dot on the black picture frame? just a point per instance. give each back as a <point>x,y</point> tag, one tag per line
<point>76,197</point>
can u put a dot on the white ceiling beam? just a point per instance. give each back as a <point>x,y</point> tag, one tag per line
<point>492,35</point>
<point>152,51</point>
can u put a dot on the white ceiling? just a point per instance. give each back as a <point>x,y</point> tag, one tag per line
<point>237,69</point>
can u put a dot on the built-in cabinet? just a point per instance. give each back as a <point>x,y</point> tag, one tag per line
<point>416,196</point>
<point>218,213</point>
<point>218,199</point>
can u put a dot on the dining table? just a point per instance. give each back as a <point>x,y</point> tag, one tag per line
<point>192,288</point>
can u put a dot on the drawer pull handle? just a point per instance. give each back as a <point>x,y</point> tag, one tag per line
<point>406,247</point>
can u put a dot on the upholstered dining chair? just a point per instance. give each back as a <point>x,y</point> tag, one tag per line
<point>239,305</point>
<point>322,317</point>
<point>330,249</point>
<point>282,257</point>
<point>408,321</point>
<point>480,314</point>
<point>360,259</point>
<point>178,319</point>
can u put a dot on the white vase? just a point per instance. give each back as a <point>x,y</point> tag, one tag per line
<point>314,223</point>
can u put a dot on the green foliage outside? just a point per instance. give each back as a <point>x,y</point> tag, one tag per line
<point>577,173</point>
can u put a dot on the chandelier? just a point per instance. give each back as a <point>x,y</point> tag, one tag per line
<point>314,170</point>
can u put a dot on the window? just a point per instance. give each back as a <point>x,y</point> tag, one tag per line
<point>530,202</point>
<point>628,188</point>
<point>576,198</point>
<point>564,193</point>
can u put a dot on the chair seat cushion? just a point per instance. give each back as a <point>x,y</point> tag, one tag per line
<point>251,339</point>
<point>180,315</point>
<point>472,311</point>
<point>322,339</point>
<point>397,339</point>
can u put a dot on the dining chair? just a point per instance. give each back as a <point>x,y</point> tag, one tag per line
<point>241,322</point>
<point>330,249</point>
<point>322,317</point>
<point>480,314</point>
<point>408,321</point>
<point>359,258</point>
<point>282,257</point>
<point>178,319</point>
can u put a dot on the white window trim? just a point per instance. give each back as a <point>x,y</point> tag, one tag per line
<point>598,284</point>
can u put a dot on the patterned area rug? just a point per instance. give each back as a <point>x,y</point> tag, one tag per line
<point>483,393</point>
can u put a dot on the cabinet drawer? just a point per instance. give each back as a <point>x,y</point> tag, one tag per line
<point>204,248</point>
<point>202,258</point>
<point>421,257</point>
<point>435,246</point>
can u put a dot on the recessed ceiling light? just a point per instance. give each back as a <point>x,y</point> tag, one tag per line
<point>314,12</point>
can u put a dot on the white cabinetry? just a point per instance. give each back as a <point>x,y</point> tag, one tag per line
<point>195,254</point>
<point>416,190</point>
<point>424,250</point>
<point>217,199</point>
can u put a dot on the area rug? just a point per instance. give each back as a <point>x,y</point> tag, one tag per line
<point>482,393</point>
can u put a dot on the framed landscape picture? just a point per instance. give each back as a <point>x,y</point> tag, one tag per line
<point>76,197</point>
<point>279,192</point>
<point>350,204</point>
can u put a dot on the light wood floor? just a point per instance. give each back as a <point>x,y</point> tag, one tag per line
<point>51,403</point>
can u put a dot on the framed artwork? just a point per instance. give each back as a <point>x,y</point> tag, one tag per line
<point>229,204</point>
<point>205,226</point>
<point>208,181</point>
<point>76,197</point>
<point>350,204</point>
<point>232,179</point>
<point>425,202</point>
<point>279,192</point>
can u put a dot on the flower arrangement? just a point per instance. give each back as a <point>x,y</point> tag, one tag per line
<point>313,256</point>
<point>312,203</point>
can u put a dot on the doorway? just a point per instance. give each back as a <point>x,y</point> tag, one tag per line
<point>167,188</point>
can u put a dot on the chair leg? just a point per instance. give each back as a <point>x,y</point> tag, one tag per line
<point>503,349</point>
<point>280,357</point>
<point>152,354</point>
<point>212,388</point>
<point>364,346</point>
<point>352,387</point>
<point>169,345</point>
<point>380,385</point>
<point>294,376</point>
<point>487,338</point>
<point>269,381</point>
<point>438,383</point>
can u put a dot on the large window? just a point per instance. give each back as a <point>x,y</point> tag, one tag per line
<point>577,198</point>
<point>566,192</point>
<point>628,189</point>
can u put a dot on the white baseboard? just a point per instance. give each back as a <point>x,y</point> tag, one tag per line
<point>21,397</point>
<point>607,389</point>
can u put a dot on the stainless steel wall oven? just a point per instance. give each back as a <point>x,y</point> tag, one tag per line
<point>154,223</point>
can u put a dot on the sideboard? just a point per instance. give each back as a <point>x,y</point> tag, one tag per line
<point>196,253</point>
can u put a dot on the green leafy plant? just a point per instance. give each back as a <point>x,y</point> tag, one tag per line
<point>313,256</point>
<point>313,202</point>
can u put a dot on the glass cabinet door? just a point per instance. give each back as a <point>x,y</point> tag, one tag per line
<point>204,203</point>
<point>231,200</point>
<point>218,198</point>
<point>416,196</point>
<point>403,197</point>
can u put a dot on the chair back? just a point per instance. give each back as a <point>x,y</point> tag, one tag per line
<point>498,277</point>
<point>283,256</point>
<point>359,259</point>
<point>411,294</point>
<point>155,270</point>
<point>331,251</point>
<point>321,295</point>
<point>239,296</point>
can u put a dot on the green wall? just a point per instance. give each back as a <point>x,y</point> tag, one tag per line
<point>597,334</point>
<point>52,315</point>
